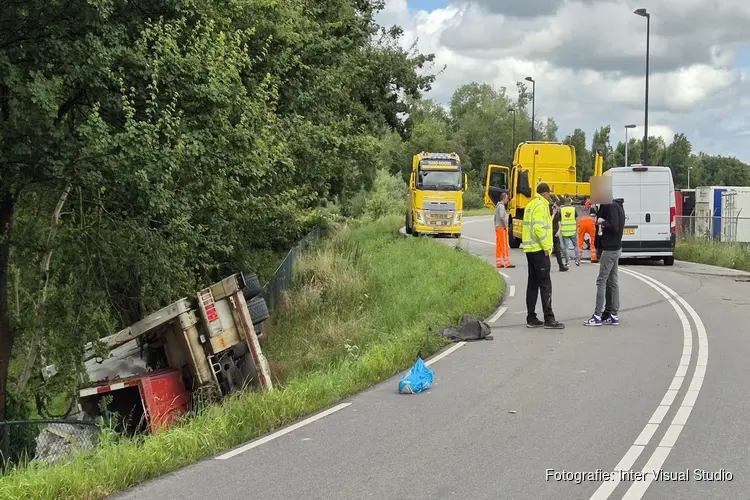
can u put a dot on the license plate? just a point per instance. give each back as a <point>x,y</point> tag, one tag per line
<point>628,231</point>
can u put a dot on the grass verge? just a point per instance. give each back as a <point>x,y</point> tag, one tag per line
<point>730,255</point>
<point>351,321</point>
<point>478,211</point>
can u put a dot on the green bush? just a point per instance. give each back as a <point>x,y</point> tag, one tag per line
<point>388,197</point>
<point>474,196</point>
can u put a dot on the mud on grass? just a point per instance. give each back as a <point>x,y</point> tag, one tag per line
<point>359,312</point>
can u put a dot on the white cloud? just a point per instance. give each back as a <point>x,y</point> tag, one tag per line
<point>588,58</point>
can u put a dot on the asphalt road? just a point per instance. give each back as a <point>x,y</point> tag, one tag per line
<point>644,395</point>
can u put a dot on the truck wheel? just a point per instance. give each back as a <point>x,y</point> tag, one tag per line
<point>408,224</point>
<point>258,309</point>
<point>668,261</point>
<point>457,235</point>
<point>252,286</point>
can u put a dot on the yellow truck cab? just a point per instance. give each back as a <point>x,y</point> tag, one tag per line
<point>535,162</point>
<point>436,194</point>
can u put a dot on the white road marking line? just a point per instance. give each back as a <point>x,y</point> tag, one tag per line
<point>478,241</point>
<point>281,432</point>
<point>512,291</point>
<point>499,313</point>
<point>638,489</point>
<point>478,218</point>
<point>607,487</point>
<point>446,352</point>
<point>504,275</point>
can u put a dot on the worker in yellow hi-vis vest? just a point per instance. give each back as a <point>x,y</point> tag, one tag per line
<point>537,245</point>
<point>569,230</point>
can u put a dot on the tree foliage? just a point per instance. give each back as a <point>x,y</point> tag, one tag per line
<point>188,136</point>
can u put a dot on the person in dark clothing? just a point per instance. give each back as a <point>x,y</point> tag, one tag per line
<point>557,249</point>
<point>537,239</point>
<point>611,223</point>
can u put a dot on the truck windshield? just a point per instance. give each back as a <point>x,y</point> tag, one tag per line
<point>440,180</point>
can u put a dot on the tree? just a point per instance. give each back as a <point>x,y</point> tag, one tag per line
<point>600,143</point>
<point>176,138</point>
<point>550,130</point>
<point>584,160</point>
<point>678,158</point>
<point>635,153</point>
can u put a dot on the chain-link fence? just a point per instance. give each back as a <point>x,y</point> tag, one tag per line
<point>282,279</point>
<point>723,229</point>
<point>44,440</point>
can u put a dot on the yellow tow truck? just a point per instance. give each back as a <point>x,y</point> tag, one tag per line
<point>436,194</point>
<point>535,162</point>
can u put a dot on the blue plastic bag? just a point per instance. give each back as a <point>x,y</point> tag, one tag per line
<point>417,379</point>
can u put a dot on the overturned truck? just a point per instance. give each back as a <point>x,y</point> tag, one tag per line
<point>154,367</point>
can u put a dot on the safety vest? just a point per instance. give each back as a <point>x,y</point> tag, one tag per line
<point>537,226</point>
<point>568,221</point>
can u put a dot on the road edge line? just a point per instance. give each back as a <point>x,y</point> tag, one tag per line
<point>607,487</point>
<point>281,432</point>
<point>679,421</point>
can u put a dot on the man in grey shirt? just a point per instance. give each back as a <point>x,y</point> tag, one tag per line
<point>502,246</point>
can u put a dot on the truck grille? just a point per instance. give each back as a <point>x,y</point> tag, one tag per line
<point>439,213</point>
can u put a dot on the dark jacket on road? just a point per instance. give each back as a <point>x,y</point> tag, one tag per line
<point>612,227</point>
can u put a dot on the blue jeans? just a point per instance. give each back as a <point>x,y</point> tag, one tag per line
<point>564,240</point>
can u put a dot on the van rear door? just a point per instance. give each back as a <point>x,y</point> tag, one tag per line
<point>626,184</point>
<point>656,190</point>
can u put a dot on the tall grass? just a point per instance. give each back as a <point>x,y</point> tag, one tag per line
<point>360,311</point>
<point>703,251</point>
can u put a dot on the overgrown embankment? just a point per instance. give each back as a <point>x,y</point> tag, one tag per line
<point>360,311</point>
<point>730,255</point>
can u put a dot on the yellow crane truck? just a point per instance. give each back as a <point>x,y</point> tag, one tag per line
<point>436,194</point>
<point>535,162</point>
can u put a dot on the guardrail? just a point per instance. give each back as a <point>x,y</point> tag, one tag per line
<point>44,440</point>
<point>717,228</point>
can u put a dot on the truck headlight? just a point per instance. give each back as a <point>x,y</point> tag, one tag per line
<point>420,217</point>
<point>457,218</point>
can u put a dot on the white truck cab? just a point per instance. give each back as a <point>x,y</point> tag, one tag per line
<point>650,210</point>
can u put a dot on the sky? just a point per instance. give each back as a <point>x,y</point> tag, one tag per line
<point>588,59</point>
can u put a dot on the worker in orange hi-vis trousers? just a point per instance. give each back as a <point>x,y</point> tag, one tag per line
<point>586,226</point>
<point>502,248</point>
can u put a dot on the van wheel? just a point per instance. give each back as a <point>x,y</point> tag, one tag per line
<point>668,261</point>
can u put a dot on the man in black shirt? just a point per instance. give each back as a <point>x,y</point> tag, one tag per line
<point>611,222</point>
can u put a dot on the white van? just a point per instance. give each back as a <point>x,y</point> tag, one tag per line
<point>649,202</point>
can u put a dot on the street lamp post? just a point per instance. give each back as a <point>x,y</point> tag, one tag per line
<point>689,169</point>
<point>533,104</point>
<point>513,135</point>
<point>644,13</point>
<point>626,142</point>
